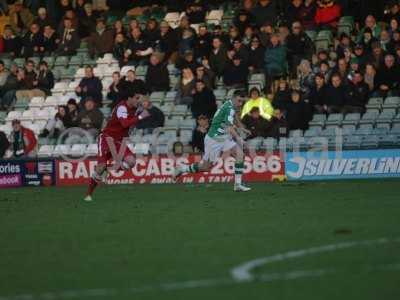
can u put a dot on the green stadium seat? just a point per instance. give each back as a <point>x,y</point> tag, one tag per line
<point>346,25</point>
<point>387,141</point>
<point>76,60</point>
<point>374,103</point>
<point>334,120</point>
<point>311,34</point>
<point>324,40</point>
<point>351,119</point>
<point>20,62</point>
<point>363,131</point>
<point>270,144</point>
<point>386,116</point>
<point>331,131</point>
<point>369,117</point>
<point>370,142</point>
<point>391,103</point>
<point>61,61</point>
<point>352,143</point>
<point>50,61</point>
<point>312,132</point>
<point>318,120</point>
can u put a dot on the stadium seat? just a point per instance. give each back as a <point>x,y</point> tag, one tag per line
<point>351,119</point>
<point>60,88</point>
<point>369,118</point>
<point>314,131</point>
<point>27,115</point>
<point>254,144</point>
<point>6,128</point>
<point>330,131</point>
<point>391,103</point>
<point>187,124</point>
<point>311,34</point>
<point>352,143</point>
<point>51,101</point>
<point>36,102</point>
<point>334,120</point>
<point>170,96</point>
<point>363,131</point>
<point>323,40</point>
<point>374,103</point>
<point>270,144</point>
<point>318,121</point>
<point>76,60</point>
<point>172,123</point>
<point>388,141</point>
<point>77,150</point>
<point>386,116</point>
<point>61,61</point>
<point>61,150</point>
<point>370,142</point>
<point>46,151</point>
<point>13,115</point>
<point>296,133</point>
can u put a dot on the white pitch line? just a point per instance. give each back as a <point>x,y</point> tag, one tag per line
<point>242,272</point>
<point>214,282</point>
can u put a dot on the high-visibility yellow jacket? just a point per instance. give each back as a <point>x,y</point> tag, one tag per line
<point>263,104</point>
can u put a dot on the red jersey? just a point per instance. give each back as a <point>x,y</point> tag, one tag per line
<point>122,118</point>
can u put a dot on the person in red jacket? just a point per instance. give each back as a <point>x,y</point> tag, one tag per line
<point>328,14</point>
<point>112,143</point>
<point>22,140</point>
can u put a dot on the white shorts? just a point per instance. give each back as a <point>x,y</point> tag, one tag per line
<point>213,149</point>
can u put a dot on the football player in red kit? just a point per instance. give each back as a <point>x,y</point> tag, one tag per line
<point>112,142</point>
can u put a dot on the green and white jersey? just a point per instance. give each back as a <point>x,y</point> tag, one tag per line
<point>223,119</point>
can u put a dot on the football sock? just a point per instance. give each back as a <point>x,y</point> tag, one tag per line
<point>238,173</point>
<point>193,168</point>
<point>94,182</point>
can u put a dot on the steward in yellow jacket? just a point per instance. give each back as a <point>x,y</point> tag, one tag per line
<point>263,104</point>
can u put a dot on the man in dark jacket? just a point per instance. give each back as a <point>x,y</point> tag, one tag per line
<point>337,95</point>
<point>12,43</point>
<point>265,10</point>
<point>298,114</point>
<point>218,58</point>
<point>155,120</point>
<point>157,76</point>
<point>69,39</point>
<point>299,47</point>
<point>33,41</point>
<point>101,41</point>
<point>257,125</point>
<point>91,118</point>
<point>358,95</point>
<point>4,144</point>
<point>45,78</point>
<point>204,101</point>
<point>235,74</point>
<point>130,85</point>
<point>90,86</point>
<point>387,77</point>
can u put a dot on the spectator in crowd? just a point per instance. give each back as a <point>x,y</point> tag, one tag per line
<point>157,76</point>
<point>387,77</point>
<point>90,86</point>
<point>20,17</point>
<point>4,144</point>
<point>265,109</point>
<point>33,42</point>
<point>151,32</point>
<point>115,89</point>
<point>218,59</point>
<point>299,46</point>
<point>9,88</point>
<point>87,21</point>
<point>307,14</point>
<point>256,55</point>
<point>205,74</point>
<point>256,124</point>
<point>69,39</point>
<point>282,96</point>
<point>23,141</point>
<point>202,46</point>
<point>199,133</point>
<point>43,19</point>
<point>328,14</point>
<point>293,8</point>
<point>155,120</point>
<point>186,87</point>
<point>50,40</point>
<point>305,77</point>
<point>264,10</point>
<point>338,94</point>
<point>139,49</point>
<point>369,76</point>
<point>45,78</point>
<point>275,63</point>
<point>204,101</point>
<point>120,49</point>
<point>372,27</point>
<point>57,124</point>
<point>12,43</point>
<point>240,50</point>
<point>101,40</point>
<point>132,85</point>
<point>73,112</point>
<point>168,42</point>
<point>298,114</point>
<point>29,83</point>
<point>318,94</point>
<point>91,118</point>
<point>3,74</point>
<point>358,95</point>
<point>235,74</point>
<point>187,61</point>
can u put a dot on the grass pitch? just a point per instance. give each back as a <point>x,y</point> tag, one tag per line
<point>181,242</point>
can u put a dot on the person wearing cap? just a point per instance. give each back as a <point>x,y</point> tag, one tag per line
<point>20,17</point>
<point>22,140</point>
<point>236,73</point>
<point>91,118</point>
<point>157,76</point>
<point>264,106</point>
